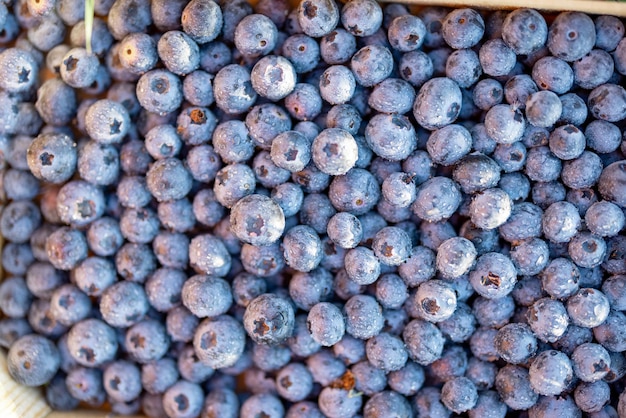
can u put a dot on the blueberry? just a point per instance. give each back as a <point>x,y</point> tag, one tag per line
<point>337,402</point>
<point>525,31</point>
<point>490,208</point>
<point>550,405</point>
<point>602,137</point>
<point>571,36</point>
<point>79,68</point>
<point>435,300</point>
<point>391,291</point>
<point>15,297</point>
<point>452,364</point>
<point>388,402</point>
<point>459,394</point>
<point>573,337</point>
<point>551,73</point>
<point>232,88</point>
<point>255,35</point>
<point>257,220</point>
<point>481,373</point>
<point>273,77</point>
<point>219,342</point>
<point>516,343</point>
<point>582,172</point>
<point>302,248</point>
<point>310,288</point>
<point>543,109</point>
<point>318,17</point>
<point>92,343</point>
<point>222,402</point>
<point>183,400</point>
<point>266,121</point>
<point>513,386</point>
<point>202,20</point>
<point>261,261</point>
<point>488,404</point>
<point>123,304</point>
<point>371,65</point>
<point>356,192</point>
<point>463,28</point>
<point>487,93</point>
<point>594,69</point>
<point>337,84</point>
<point>346,117</point>
<point>550,373</point>
<point>592,397</point>
<point>587,250</point>
<point>107,121</point>
<point>58,396</point>
<point>19,70</point>
<point>433,234</point>
<point>11,329</point>
<point>66,248</point>
<point>139,226</point>
<point>157,376</point>
<point>47,33</point>
<point>33,360</point>
<point>406,33</point>
<point>337,47</point>
<point>416,67</point>
<point>449,144</point>
<point>146,341</point>
<point>134,158</point>
<point>530,257</point>
<point>135,262</point>
<point>548,319</point>
<point>588,308</point>
<point>138,53</point>
<point>362,18</point>
<point>69,305</point>
<point>428,402</point>
<point>494,275</point>
<point>392,95</point>
<point>41,320</point>
<point>199,289</point>
<point>455,257</point>
<point>270,358</point>
<point>181,324</point>
<point>160,91</point>
<point>560,278</point>
<point>609,32</point>
<point>609,183</point>
<point>497,58</point>
<point>446,94</point>
<point>334,151</point>
<point>190,367</point>
<point>460,326</point>
<point>590,362</point>
<point>560,222</point>
<point>437,199</point>
<point>368,379</point>
<point>269,319</point>
<point>304,103</point>
<point>294,382</point>
<point>163,288</point>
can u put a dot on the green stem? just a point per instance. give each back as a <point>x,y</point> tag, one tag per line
<point>89,13</point>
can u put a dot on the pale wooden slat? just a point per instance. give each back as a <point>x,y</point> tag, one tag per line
<point>86,413</point>
<point>18,401</point>
<point>599,7</point>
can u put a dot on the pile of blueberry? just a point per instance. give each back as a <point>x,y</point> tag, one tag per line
<point>337,210</point>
